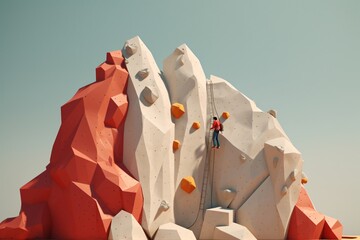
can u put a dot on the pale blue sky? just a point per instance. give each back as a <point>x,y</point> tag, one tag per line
<point>299,57</point>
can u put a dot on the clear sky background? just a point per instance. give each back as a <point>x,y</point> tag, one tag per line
<point>301,58</point>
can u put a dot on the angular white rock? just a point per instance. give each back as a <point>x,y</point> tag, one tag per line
<point>233,232</point>
<point>148,137</point>
<point>171,231</point>
<point>125,226</point>
<point>186,83</point>
<point>215,217</point>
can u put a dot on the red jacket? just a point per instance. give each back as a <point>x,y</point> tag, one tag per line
<point>216,125</point>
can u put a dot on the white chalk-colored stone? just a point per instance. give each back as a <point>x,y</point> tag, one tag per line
<point>171,231</point>
<point>226,197</point>
<point>215,217</point>
<point>257,171</point>
<point>124,226</point>
<point>148,135</point>
<point>150,94</point>
<point>186,84</point>
<point>233,232</point>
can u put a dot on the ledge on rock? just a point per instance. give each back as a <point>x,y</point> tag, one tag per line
<point>125,226</point>
<point>174,232</point>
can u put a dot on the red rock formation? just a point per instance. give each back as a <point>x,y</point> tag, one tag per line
<point>83,187</point>
<point>307,223</point>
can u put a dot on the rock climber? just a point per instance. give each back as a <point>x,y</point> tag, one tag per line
<point>216,126</point>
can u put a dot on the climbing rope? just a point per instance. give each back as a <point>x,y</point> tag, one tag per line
<point>212,109</point>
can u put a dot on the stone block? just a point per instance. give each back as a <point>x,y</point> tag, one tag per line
<point>171,231</point>
<point>125,226</point>
<point>215,217</point>
<point>233,232</point>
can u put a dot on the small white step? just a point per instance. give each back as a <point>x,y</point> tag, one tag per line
<point>215,217</point>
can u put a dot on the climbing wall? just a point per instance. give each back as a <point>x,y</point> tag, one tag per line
<point>132,159</point>
<point>254,148</point>
<point>186,84</point>
<point>148,134</point>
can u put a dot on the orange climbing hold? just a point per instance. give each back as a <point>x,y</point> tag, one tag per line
<point>304,180</point>
<point>188,184</point>
<point>176,145</point>
<point>225,115</point>
<point>196,125</point>
<point>177,110</point>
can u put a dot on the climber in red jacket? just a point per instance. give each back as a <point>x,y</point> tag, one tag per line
<point>216,126</point>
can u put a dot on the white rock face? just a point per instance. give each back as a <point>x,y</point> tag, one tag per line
<point>186,83</point>
<point>124,226</point>
<point>171,231</point>
<point>218,224</point>
<point>148,135</point>
<point>233,232</point>
<point>215,217</point>
<point>256,161</point>
<point>256,173</point>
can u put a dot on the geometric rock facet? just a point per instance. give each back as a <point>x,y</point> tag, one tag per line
<point>142,74</point>
<point>104,71</point>
<point>174,232</point>
<point>149,133</point>
<point>307,223</point>
<point>150,94</point>
<point>332,229</point>
<point>116,111</point>
<point>215,217</point>
<point>226,197</point>
<point>233,232</point>
<point>125,226</point>
<point>114,57</point>
<point>130,49</point>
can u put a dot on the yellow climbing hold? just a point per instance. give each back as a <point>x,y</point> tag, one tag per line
<point>196,125</point>
<point>176,145</point>
<point>177,110</point>
<point>188,184</point>
<point>225,115</point>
